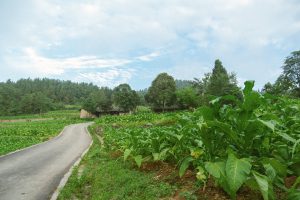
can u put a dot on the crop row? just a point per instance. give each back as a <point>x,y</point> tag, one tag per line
<point>18,135</point>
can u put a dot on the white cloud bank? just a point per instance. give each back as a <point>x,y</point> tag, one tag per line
<point>252,36</point>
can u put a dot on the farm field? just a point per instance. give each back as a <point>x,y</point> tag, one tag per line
<point>50,114</point>
<point>230,149</point>
<point>18,135</point>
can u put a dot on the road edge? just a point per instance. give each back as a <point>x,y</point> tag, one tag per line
<point>67,175</point>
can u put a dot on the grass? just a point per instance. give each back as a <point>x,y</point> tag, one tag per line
<point>100,176</point>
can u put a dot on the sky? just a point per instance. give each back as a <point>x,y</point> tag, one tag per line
<point>109,42</point>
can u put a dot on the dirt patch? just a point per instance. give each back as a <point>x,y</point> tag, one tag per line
<point>116,154</point>
<point>289,181</point>
<point>187,184</point>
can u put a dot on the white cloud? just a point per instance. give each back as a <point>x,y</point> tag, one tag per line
<point>31,61</point>
<point>149,56</point>
<point>249,34</point>
<point>111,77</point>
<point>188,71</point>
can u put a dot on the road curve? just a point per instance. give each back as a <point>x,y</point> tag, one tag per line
<point>35,173</point>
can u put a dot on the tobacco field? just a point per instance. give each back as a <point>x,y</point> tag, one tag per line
<point>250,142</point>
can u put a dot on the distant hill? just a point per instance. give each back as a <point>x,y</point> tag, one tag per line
<point>40,95</point>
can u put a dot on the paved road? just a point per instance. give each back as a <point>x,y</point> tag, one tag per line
<point>36,172</point>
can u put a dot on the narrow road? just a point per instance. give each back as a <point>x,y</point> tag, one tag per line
<point>35,173</point>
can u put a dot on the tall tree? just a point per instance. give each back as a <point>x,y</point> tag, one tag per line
<point>98,101</point>
<point>288,83</point>
<point>291,71</point>
<point>187,97</point>
<point>162,91</point>
<point>220,82</point>
<point>125,98</point>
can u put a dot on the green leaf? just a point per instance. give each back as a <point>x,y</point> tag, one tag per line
<point>297,182</point>
<point>237,171</point>
<point>138,160</point>
<point>127,152</point>
<point>268,124</point>
<point>155,156</point>
<point>216,169</point>
<point>263,184</point>
<point>280,168</point>
<point>184,165</point>
<point>225,128</point>
<point>286,137</point>
<point>270,172</point>
<point>265,187</point>
<point>293,195</point>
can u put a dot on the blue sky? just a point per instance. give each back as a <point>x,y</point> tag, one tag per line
<point>109,42</point>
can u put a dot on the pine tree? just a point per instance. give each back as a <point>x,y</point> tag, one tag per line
<point>221,83</point>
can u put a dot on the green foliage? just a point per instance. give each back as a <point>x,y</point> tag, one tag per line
<point>230,175</point>
<point>184,165</point>
<point>100,100</point>
<point>143,109</point>
<point>180,84</point>
<point>125,98</point>
<point>263,130</point>
<point>187,98</point>
<point>28,96</point>
<point>264,186</point>
<point>18,135</point>
<point>291,70</point>
<point>102,177</point>
<point>35,103</point>
<point>294,192</point>
<point>288,83</point>
<point>220,83</point>
<point>162,91</point>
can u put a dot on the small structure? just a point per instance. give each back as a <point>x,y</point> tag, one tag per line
<point>85,114</point>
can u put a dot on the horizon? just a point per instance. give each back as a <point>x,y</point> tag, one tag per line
<point>108,43</point>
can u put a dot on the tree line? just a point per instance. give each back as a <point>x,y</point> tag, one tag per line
<point>165,93</point>
<point>27,96</point>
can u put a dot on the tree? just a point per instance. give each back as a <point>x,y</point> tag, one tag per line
<point>125,98</point>
<point>187,97</point>
<point>183,83</point>
<point>35,103</point>
<point>291,72</point>
<point>100,100</point>
<point>288,83</point>
<point>162,91</point>
<point>221,83</point>
<point>201,85</point>
<point>13,95</point>
<point>282,86</point>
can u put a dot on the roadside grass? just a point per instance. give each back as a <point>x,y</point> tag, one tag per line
<point>101,176</point>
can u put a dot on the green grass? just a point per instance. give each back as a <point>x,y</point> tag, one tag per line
<point>52,114</point>
<point>105,178</point>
